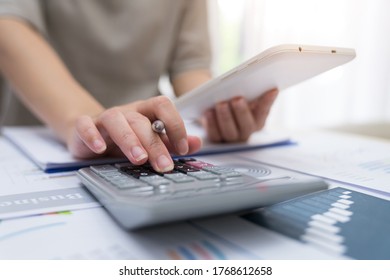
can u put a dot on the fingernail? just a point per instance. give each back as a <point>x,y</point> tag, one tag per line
<point>138,153</point>
<point>182,146</point>
<point>99,145</point>
<point>164,164</point>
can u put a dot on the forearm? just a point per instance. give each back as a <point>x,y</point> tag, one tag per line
<point>40,78</point>
<point>189,80</point>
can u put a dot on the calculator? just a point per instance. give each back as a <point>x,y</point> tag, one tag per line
<point>137,196</point>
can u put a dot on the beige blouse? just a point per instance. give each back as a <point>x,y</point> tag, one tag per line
<point>116,49</point>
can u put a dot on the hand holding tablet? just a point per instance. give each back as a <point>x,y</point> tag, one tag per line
<point>278,67</point>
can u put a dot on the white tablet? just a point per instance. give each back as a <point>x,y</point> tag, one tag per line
<point>277,67</point>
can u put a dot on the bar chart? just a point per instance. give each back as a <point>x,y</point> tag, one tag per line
<point>338,220</point>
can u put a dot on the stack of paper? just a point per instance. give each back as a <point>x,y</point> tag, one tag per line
<point>42,147</point>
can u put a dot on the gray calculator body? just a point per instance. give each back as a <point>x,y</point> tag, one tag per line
<point>136,196</point>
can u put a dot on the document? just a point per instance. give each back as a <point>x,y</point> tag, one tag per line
<point>258,140</point>
<point>26,190</point>
<point>51,155</point>
<point>93,234</point>
<point>340,220</point>
<point>348,158</point>
<point>262,241</point>
<point>41,146</point>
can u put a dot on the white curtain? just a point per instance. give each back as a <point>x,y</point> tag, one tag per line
<point>358,92</point>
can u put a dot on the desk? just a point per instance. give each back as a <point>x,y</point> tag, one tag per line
<point>90,233</point>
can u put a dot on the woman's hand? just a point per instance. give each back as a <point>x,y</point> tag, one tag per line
<point>127,130</point>
<point>235,120</point>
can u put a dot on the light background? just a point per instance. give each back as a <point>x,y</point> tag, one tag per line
<point>356,93</point>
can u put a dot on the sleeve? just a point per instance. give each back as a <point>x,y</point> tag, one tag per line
<point>192,49</point>
<point>29,11</point>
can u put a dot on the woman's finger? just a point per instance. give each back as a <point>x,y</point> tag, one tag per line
<point>212,128</point>
<point>226,122</point>
<point>158,154</point>
<point>244,118</point>
<point>161,108</point>
<point>262,106</point>
<point>119,130</point>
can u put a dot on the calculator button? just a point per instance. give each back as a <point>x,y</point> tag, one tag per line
<point>113,176</point>
<point>199,164</point>
<point>128,184</point>
<point>203,175</point>
<point>155,180</point>
<point>179,177</point>
<point>228,172</point>
<point>163,189</point>
<point>103,169</point>
<point>137,172</point>
<point>185,168</point>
